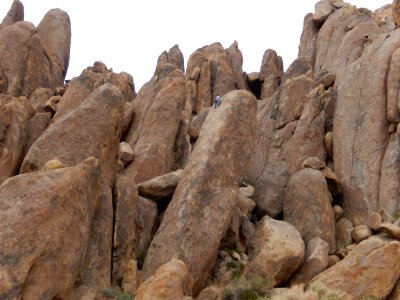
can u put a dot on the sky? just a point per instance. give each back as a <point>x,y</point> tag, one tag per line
<point>129,35</point>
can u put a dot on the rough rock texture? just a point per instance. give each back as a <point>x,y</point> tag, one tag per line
<point>160,187</point>
<point>15,14</point>
<point>389,229</point>
<point>361,113</point>
<point>14,124</point>
<point>46,265</point>
<point>171,281</point>
<point>276,251</point>
<point>73,138</point>
<point>315,261</point>
<point>307,205</point>
<point>125,239</point>
<point>42,56</point>
<point>158,108</point>
<point>147,224</point>
<point>36,126</point>
<point>197,199</point>
<point>271,73</point>
<point>370,270</point>
<point>270,190</point>
<point>343,231</point>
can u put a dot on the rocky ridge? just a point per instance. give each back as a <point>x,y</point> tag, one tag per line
<point>287,190</point>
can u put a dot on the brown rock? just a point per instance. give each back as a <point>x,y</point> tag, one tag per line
<point>209,293</point>
<point>396,12</point>
<point>170,281</point>
<point>125,238</point>
<point>197,123</point>
<point>389,229</point>
<point>389,183</point>
<point>53,164</point>
<point>308,138</point>
<point>270,190</point>
<point>129,282</point>
<point>236,59</point>
<point>36,126</point>
<point>73,138</point>
<point>173,57</point>
<point>204,88</point>
<point>292,92</point>
<point>55,33</point>
<point>307,205</point>
<point>393,97</point>
<point>308,39</point>
<point>357,157</point>
<point>338,212</point>
<point>51,104</point>
<point>160,187</point>
<point>15,14</point>
<point>333,260</point>
<point>247,228</point>
<point>374,220</point>
<point>343,232</point>
<point>246,191</point>
<point>126,153</point>
<point>246,205</point>
<point>316,261</point>
<point>14,124</point>
<point>313,163</point>
<point>158,108</point>
<point>276,251</point>
<point>60,205</point>
<point>323,9</point>
<point>328,142</point>
<point>350,279</point>
<point>360,233</point>
<point>197,199</point>
<point>147,225</point>
<point>271,64</point>
<point>39,98</point>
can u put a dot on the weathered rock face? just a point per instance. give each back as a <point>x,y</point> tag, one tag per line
<point>60,205</point>
<point>71,139</point>
<point>360,114</point>
<point>14,118</point>
<point>270,190</point>
<point>147,225</point>
<point>15,14</point>
<point>370,270</point>
<point>276,251</point>
<point>171,281</point>
<point>307,205</point>
<point>315,261</point>
<point>55,33</point>
<point>271,73</point>
<point>198,209</point>
<point>42,56</point>
<point>158,108</point>
<point>161,186</point>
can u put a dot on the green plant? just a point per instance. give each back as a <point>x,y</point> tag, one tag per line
<point>237,268</point>
<point>396,214</point>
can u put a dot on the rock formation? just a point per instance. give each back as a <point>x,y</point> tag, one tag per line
<point>289,189</point>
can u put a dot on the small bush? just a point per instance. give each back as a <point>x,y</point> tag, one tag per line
<point>396,214</point>
<point>116,293</point>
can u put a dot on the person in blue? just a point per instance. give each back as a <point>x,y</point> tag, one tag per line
<point>217,102</point>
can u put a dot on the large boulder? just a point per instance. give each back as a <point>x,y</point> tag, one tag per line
<point>307,205</point>
<point>160,187</point>
<point>15,14</point>
<point>14,123</point>
<point>73,138</point>
<point>46,219</point>
<point>276,252</point>
<point>201,209</point>
<point>371,270</point>
<point>152,134</point>
<point>171,281</point>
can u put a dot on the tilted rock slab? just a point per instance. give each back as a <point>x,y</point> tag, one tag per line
<point>45,219</point>
<point>203,203</point>
<point>171,281</point>
<point>92,129</point>
<point>307,205</point>
<point>276,252</point>
<point>370,270</point>
<point>14,122</point>
<point>361,114</point>
<point>152,134</point>
<point>32,58</point>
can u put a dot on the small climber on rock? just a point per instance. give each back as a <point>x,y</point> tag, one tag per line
<point>217,102</point>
